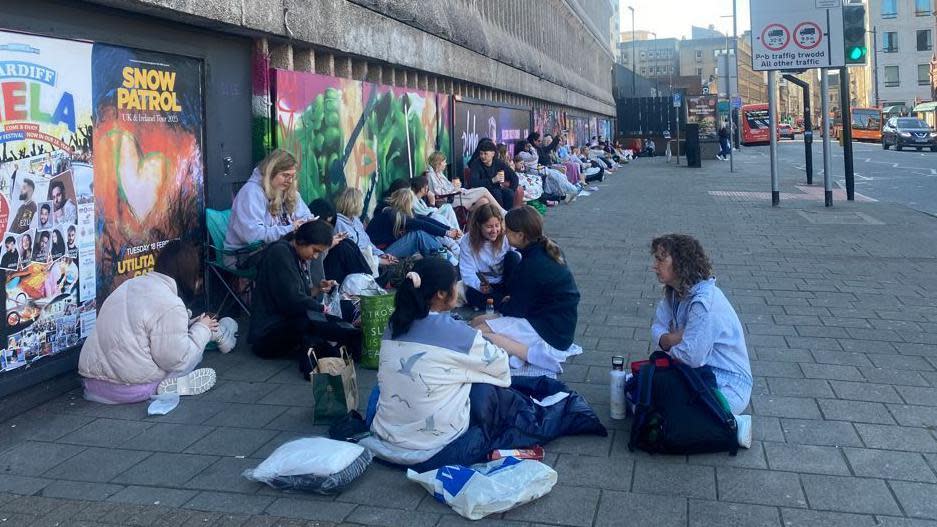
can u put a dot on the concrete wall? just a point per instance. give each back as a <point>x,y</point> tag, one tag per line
<point>554,50</point>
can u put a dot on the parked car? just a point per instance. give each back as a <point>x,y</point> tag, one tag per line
<point>908,131</point>
<point>785,131</point>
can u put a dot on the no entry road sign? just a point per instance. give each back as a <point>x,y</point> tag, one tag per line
<point>797,34</point>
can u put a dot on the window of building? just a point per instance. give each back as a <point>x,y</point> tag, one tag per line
<point>889,8</point>
<point>891,76</point>
<point>922,7</point>
<point>699,71</point>
<point>699,53</point>
<point>643,54</point>
<point>923,74</point>
<point>890,42</point>
<point>924,41</point>
<point>643,71</point>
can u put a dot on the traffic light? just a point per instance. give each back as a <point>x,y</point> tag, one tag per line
<point>854,34</point>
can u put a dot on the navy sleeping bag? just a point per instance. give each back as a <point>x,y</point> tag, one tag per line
<point>503,418</point>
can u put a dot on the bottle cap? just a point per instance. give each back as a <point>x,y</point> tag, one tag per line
<point>618,362</point>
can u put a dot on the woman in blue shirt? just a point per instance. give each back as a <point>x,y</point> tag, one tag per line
<point>695,323</point>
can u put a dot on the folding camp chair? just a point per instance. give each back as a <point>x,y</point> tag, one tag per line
<point>221,261</point>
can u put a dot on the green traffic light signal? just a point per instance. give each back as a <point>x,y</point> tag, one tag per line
<point>857,53</point>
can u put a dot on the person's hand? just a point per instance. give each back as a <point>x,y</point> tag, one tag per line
<point>455,234</point>
<point>485,289</point>
<point>208,321</point>
<point>326,285</point>
<point>338,237</point>
<point>499,177</point>
<point>299,223</point>
<point>457,183</point>
<point>388,259</point>
<point>431,198</point>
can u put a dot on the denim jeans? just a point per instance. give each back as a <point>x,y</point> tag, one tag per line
<point>414,242</point>
<point>724,148</point>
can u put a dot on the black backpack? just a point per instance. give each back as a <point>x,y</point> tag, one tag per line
<point>677,412</point>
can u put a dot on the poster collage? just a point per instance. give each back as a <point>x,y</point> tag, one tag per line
<point>90,137</point>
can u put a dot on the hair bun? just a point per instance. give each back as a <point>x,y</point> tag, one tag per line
<point>415,278</point>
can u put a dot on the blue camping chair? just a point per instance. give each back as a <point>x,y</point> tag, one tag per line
<point>217,222</point>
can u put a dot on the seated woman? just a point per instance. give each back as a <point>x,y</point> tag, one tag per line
<point>268,206</point>
<point>440,187</point>
<point>349,205</point>
<point>696,324</point>
<point>486,258</point>
<point>443,212</point>
<point>397,231</point>
<point>534,185</point>
<point>538,314</point>
<point>443,389</point>
<point>493,174</point>
<point>287,316</point>
<point>429,362</point>
<point>143,342</point>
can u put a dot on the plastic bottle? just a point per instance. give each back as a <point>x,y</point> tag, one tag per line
<point>490,306</point>
<point>616,382</point>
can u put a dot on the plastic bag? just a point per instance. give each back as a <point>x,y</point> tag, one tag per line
<point>477,491</point>
<point>315,464</point>
<point>333,303</point>
<point>163,403</point>
<point>359,284</point>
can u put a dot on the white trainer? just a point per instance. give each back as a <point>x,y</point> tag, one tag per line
<point>195,383</point>
<point>744,430</point>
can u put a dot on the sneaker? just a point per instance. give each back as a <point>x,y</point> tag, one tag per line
<point>195,383</point>
<point>226,335</point>
<point>744,424</point>
<point>719,157</point>
<point>569,197</point>
<point>593,189</point>
<point>551,203</point>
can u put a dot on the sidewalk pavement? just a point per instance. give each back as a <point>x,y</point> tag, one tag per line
<point>839,308</point>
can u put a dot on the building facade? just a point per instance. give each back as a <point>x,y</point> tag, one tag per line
<point>905,32</point>
<point>698,57</point>
<point>656,59</point>
<point>359,91</point>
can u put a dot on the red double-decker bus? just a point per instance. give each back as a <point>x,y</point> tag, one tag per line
<point>756,127</point>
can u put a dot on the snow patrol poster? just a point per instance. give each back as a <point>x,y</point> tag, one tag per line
<point>46,205</point>
<point>148,167</point>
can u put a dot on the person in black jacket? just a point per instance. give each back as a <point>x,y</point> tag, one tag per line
<point>397,231</point>
<point>539,312</point>
<point>493,174</point>
<point>343,258</point>
<point>286,316</point>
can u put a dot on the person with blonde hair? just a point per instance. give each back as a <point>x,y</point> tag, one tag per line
<point>398,231</point>
<point>349,205</point>
<point>268,206</point>
<point>441,188</point>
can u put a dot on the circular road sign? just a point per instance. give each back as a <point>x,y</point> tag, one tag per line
<point>775,37</point>
<point>808,35</point>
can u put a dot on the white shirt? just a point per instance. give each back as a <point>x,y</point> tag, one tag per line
<point>489,261</point>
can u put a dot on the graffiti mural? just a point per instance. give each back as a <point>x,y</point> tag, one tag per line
<point>473,122</point>
<point>579,129</point>
<point>359,134</point>
<point>548,121</point>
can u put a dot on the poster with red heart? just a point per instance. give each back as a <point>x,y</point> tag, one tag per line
<point>148,166</point>
<point>45,144</point>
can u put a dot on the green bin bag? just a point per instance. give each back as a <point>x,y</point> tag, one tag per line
<point>375,313</point>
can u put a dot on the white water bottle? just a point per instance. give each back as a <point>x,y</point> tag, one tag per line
<point>616,383</point>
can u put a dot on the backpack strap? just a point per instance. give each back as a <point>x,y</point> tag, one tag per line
<point>643,402</point>
<point>709,398</point>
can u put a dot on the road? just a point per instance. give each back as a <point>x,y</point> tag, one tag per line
<point>907,178</point>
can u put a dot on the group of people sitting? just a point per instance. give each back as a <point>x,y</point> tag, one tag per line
<point>503,259</point>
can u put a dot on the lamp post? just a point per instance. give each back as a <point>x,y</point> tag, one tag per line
<point>633,66</point>
<point>656,67</point>
<point>878,101</point>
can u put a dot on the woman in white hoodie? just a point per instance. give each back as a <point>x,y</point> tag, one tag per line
<point>143,342</point>
<point>268,206</point>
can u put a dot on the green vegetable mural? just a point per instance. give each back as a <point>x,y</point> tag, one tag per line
<point>352,133</point>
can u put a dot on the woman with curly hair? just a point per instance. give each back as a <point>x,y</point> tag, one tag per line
<point>696,324</point>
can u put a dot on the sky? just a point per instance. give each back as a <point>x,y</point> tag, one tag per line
<point>674,18</point>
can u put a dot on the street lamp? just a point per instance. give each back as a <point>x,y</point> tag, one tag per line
<point>656,66</point>
<point>633,68</point>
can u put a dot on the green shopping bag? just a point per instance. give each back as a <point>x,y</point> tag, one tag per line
<point>375,313</point>
<point>334,386</point>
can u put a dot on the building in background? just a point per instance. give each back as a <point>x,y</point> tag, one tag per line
<point>698,58</point>
<point>698,33</point>
<point>656,59</point>
<point>905,32</point>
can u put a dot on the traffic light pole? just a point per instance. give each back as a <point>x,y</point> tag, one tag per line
<point>808,126</point>
<point>847,133</point>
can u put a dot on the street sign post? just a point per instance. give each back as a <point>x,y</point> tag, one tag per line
<point>677,100</point>
<point>797,34</point>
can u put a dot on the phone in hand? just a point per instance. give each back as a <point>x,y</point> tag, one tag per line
<point>482,278</point>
